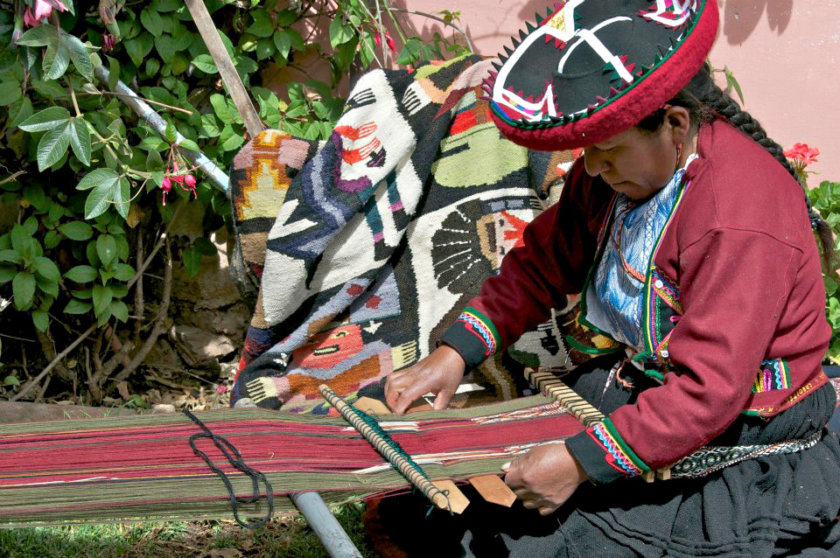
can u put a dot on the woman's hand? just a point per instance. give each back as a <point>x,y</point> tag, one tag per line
<point>545,477</point>
<point>439,373</point>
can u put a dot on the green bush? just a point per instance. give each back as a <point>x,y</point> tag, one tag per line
<point>81,211</point>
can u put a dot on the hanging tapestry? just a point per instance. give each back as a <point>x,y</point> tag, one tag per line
<point>368,245</point>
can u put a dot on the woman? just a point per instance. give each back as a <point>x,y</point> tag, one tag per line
<point>689,240</point>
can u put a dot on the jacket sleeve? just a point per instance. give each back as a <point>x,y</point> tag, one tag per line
<point>558,247</point>
<point>735,285</point>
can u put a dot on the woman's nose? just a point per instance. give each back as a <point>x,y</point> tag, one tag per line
<point>594,161</point>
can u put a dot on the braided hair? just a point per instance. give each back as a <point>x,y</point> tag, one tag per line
<point>706,101</point>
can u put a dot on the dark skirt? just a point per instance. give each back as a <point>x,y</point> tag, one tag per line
<point>777,505</point>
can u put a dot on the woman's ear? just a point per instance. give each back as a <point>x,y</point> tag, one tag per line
<point>679,120</point>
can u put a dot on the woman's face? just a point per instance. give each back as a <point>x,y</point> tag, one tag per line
<point>635,163</point>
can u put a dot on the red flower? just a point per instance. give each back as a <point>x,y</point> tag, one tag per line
<point>803,154</point>
<point>108,42</point>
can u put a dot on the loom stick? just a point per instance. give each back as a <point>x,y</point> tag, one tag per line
<point>410,471</point>
<point>554,387</point>
<point>230,77</point>
<point>493,489</point>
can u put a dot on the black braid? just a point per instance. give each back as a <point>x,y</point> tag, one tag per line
<point>704,100</point>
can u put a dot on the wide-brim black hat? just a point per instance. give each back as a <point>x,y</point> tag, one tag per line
<point>595,68</point>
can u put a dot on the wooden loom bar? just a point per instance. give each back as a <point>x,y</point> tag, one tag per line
<point>409,471</point>
<point>554,387</point>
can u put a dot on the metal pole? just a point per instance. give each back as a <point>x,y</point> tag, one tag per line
<point>325,525</point>
<point>144,111</point>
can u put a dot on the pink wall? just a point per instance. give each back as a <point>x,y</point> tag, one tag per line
<point>787,61</point>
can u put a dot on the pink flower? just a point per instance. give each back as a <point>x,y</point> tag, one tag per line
<point>390,41</point>
<point>803,154</point>
<point>221,389</point>
<point>30,20</point>
<point>40,10</point>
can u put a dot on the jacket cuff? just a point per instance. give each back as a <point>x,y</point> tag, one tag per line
<point>604,455</point>
<point>474,336</point>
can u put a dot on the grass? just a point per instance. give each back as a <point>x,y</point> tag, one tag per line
<point>285,536</point>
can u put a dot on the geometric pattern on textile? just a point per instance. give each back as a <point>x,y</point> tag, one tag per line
<point>369,244</point>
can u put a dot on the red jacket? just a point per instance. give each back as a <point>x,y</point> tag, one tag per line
<point>736,266</point>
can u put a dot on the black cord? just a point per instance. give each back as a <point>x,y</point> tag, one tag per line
<point>235,459</point>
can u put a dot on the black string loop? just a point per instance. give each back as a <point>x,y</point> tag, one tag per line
<point>235,459</point>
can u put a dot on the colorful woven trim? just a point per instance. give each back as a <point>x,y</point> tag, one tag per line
<point>595,68</point>
<point>774,375</point>
<point>482,327</point>
<point>661,296</point>
<point>617,453</point>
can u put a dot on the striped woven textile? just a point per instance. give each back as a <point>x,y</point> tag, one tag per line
<point>137,468</point>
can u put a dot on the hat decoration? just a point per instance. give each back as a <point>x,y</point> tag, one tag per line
<point>595,68</point>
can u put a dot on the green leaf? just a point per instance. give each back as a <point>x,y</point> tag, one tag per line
<point>166,47</point>
<point>410,52</point>
<point>189,145</point>
<point>46,286</point>
<point>262,26</point>
<point>11,380</point>
<point>265,48</point>
<point>80,140</point>
<point>9,92</point>
<point>23,289</point>
<point>192,260</point>
<point>31,223</point>
<point>139,47</point>
<point>106,249</point>
<point>154,162</point>
<point>40,36</point>
<point>170,134</point>
<point>56,61</point>
<point>205,63</point>
<point>113,72</point>
<point>79,55</point>
<point>102,297</point>
<point>51,240</point>
<point>283,42</point>
<point>20,238</point>
<point>76,230</point>
<point>23,112</point>
<point>286,17</point>
<point>209,126</point>
<point>221,109</point>
<point>123,272</point>
<point>339,32</point>
<point>52,146</point>
<point>233,142</point>
<point>97,178</point>
<point>47,269</point>
<point>47,119</point>
<point>98,200</point>
<point>12,256</point>
<point>41,319</point>
<point>119,310</point>
<point>76,306</point>
<point>122,197</point>
<point>732,83</point>
<point>152,21</point>
<point>34,193</point>
<point>81,274</point>
<point>205,247</point>
<point>7,273</point>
